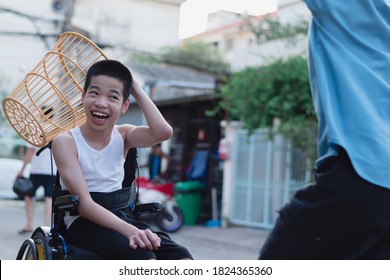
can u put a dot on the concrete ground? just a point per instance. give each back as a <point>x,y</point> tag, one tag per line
<point>205,243</point>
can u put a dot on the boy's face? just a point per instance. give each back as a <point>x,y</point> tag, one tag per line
<point>103,101</point>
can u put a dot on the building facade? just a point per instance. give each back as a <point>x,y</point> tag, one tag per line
<point>228,32</point>
<point>30,28</point>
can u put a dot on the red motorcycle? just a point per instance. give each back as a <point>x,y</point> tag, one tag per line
<point>171,218</point>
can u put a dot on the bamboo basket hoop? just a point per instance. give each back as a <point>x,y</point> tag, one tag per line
<point>48,100</point>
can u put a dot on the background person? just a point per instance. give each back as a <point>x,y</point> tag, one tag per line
<point>155,160</point>
<point>41,174</point>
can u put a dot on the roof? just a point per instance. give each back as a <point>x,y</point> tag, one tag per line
<point>172,84</point>
<point>154,73</point>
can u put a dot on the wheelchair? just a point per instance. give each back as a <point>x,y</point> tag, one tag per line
<point>49,243</point>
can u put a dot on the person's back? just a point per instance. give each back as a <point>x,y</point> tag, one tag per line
<point>344,213</point>
<point>349,68</point>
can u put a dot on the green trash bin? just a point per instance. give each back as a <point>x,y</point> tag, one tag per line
<point>189,197</point>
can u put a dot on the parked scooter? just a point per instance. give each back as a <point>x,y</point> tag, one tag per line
<point>171,218</point>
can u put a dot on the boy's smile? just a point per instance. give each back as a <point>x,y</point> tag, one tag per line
<point>103,101</point>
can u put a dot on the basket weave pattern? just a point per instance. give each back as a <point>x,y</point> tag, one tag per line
<point>48,100</point>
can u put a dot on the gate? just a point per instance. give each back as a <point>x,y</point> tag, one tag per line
<point>265,175</point>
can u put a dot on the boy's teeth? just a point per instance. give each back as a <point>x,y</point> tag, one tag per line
<point>99,114</point>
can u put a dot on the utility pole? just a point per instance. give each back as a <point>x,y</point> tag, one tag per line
<point>64,7</point>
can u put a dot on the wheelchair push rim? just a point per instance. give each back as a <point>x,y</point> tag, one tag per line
<point>36,247</point>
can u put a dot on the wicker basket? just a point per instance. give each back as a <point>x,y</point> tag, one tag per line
<point>48,100</point>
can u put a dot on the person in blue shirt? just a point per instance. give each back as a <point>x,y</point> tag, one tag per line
<point>345,213</point>
<point>156,156</point>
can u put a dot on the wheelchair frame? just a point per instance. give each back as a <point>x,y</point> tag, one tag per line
<point>47,243</point>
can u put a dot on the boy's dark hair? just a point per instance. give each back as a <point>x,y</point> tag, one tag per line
<point>114,69</point>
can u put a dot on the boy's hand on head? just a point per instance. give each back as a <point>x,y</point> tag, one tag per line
<point>145,239</point>
<point>135,88</point>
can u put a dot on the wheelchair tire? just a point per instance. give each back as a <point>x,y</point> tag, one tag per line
<point>41,243</point>
<point>36,247</point>
<point>27,251</point>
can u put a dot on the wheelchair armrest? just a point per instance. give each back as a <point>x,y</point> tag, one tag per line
<point>147,208</point>
<point>67,202</point>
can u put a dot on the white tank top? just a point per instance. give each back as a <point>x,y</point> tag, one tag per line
<point>103,170</point>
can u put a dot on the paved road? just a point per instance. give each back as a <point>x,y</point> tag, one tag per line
<point>205,243</point>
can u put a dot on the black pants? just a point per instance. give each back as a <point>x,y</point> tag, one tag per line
<point>340,216</point>
<point>112,245</point>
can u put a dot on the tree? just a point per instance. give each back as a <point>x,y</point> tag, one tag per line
<point>270,29</point>
<point>197,55</point>
<point>275,93</point>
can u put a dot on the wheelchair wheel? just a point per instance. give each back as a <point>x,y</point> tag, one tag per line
<point>35,248</point>
<point>27,251</point>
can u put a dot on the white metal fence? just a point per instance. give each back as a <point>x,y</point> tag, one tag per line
<point>265,174</point>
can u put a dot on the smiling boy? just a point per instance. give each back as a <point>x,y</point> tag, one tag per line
<point>90,158</point>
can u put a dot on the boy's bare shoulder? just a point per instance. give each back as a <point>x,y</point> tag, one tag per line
<point>63,138</point>
<point>125,128</point>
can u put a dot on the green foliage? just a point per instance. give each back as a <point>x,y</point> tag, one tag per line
<point>141,57</point>
<point>270,29</point>
<point>197,55</point>
<point>275,93</point>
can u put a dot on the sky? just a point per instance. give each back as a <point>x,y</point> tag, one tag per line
<point>193,14</point>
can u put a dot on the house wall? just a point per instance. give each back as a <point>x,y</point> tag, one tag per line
<point>239,46</point>
<point>20,54</point>
<point>133,25</point>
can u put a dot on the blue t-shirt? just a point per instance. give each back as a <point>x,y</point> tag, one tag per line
<point>349,65</point>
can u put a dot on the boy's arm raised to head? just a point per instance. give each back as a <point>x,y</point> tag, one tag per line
<point>65,155</point>
<point>157,129</point>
